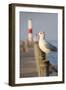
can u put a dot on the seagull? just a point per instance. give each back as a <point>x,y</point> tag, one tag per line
<point>45,46</point>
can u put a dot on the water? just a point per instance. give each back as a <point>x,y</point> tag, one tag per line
<point>53,56</point>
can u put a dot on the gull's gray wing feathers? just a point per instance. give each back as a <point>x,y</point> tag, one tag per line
<point>50,46</point>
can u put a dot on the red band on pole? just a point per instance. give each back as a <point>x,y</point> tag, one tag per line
<point>30,31</point>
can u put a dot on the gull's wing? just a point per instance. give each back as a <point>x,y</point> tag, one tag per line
<point>50,46</point>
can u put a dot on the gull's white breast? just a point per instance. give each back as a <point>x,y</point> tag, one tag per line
<point>42,46</point>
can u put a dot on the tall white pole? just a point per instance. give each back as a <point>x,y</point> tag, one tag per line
<point>30,31</point>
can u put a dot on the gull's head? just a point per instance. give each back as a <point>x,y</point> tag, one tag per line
<point>41,34</point>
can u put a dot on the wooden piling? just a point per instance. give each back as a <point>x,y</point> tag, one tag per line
<point>45,68</point>
<point>41,62</point>
<point>24,46</point>
<point>37,57</point>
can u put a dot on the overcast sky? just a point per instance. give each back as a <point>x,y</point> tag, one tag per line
<point>45,22</point>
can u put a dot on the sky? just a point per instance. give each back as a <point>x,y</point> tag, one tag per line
<point>41,22</point>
